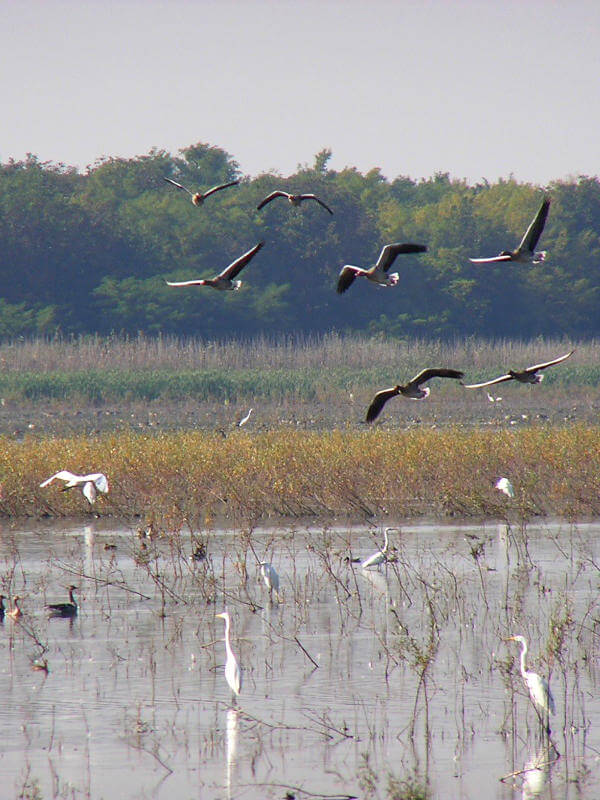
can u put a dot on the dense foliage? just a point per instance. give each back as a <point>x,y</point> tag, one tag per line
<point>90,252</point>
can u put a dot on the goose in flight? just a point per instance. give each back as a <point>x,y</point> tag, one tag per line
<point>294,199</point>
<point>64,609</point>
<point>90,484</point>
<point>378,273</point>
<point>412,389</point>
<point>199,197</point>
<point>525,252</point>
<point>528,375</point>
<point>224,280</point>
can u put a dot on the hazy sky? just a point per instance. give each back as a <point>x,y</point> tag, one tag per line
<point>478,88</point>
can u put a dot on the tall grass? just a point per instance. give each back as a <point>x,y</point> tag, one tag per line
<point>194,476</point>
<point>292,352</point>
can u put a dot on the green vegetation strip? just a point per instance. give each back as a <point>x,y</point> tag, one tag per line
<point>191,478</point>
<point>97,386</point>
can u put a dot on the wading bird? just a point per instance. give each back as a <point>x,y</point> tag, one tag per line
<point>539,690</point>
<point>528,375</point>
<point>270,577</point>
<point>525,252</point>
<point>64,609</point>
<point>245,419</point>
<point>233,673</point>
<point>504,485</point>
<point>15,611</point>
<point>90,484</point>
<point>412,389</point>
<point>493,399</point>
<point>380,555</point>
<point>378,273</point>
<point>294,199</point>
<point>199,197</point>
<point>224,280</point>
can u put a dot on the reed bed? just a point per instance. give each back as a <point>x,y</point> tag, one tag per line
<point>195,477</point>
<point>116,353</point>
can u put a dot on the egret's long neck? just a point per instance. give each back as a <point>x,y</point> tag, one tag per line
<point>227,642</point>
<point>385,538</point>
<point>523,654</point>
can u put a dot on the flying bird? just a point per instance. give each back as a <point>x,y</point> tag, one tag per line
<point>538,687</point>
<point>525,252</point>
<point>64,609</point>
<point>90,484</point>
<point>224,280</point>
<point>378,273</point>
<point>294,199</point>
<point>528,375</point>
<point>504,485</point>
<point>412,389</point>
<point>199,197</point>
<point>233,673</point>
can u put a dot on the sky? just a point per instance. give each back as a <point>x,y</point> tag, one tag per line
<point>476,88</point>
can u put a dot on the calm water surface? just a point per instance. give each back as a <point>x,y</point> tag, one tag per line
<point>414,679</point>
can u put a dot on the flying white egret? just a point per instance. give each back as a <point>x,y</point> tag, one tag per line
<point>90,484</point>
<point>538,687</point>
<point>233,673</point>
<point>64,609</point>
<point>411,389</point>
<point>294,199</point>
<point>380,556</point>
<point>504,485</point>
<point>525,252</point>
<point>270,577</point>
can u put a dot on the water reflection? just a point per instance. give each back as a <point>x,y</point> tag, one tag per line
<point>399,664</point>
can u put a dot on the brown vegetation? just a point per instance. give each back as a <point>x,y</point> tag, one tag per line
<point>191,478</point>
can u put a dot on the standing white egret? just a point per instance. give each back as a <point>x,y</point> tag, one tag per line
<point>538,687</point>
<point>270,577</point>
<point>233,673</point>
<point>90,484</point>
<point>245,419</point>
<point>504,485</point>
<point>380,556</point>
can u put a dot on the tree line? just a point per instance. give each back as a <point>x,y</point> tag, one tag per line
<point>89,252</point>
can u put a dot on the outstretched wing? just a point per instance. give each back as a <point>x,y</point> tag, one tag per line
<point>390,251</point>
<point>489,260</point>
<point>314,197</point>
<point>100,481</point>
<point>501,379</point>
<point>179,186</point>
<point>536,367</point>
<point>346,278</point>
<point>534,231</point>
<point>197,282</point>
<point>218,188</point>
<point>270,197</point>
<point>238,265</point>
<point>63,475</point>
<point>426,375</point>
<point>379,401</point>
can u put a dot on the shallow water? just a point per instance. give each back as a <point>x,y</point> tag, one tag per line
<point>414,680</point>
